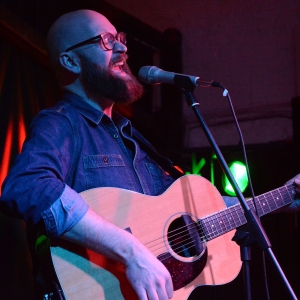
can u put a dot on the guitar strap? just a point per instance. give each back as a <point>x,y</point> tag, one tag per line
<point>165,163</point>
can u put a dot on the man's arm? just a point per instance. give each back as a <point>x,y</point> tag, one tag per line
<point>147,275</point>
<point>36,188</point>
<point>295,206</point>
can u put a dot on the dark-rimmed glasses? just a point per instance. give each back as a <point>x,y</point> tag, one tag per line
<point>106,39</point>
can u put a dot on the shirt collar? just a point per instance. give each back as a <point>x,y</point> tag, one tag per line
<point>93,114</point>
<point>83,107</point>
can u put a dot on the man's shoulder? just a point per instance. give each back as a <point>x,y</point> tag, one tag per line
<point>61,109</point>
<point>67,104</point>
<point>60,116</point>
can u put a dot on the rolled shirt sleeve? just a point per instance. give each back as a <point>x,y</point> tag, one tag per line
<point>64,213</point>
<point>39,175</point>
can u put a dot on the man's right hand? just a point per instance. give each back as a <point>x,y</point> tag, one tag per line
<point>147,275</point>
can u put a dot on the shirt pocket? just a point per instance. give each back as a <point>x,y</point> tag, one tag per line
<point>106,170</point>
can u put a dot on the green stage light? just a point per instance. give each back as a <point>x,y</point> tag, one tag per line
<point>239,173</point>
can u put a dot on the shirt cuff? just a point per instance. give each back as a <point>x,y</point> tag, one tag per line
<point>64,213</point>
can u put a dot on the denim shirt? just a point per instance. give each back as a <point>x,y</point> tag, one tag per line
<point>73,147</point>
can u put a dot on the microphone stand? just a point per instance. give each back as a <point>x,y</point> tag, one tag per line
<point>255,228</point>
<point>244,239</point>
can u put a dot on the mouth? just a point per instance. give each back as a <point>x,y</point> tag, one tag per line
<point>118,66</point>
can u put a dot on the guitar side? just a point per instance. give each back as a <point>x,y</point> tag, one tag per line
<point>84,274</point>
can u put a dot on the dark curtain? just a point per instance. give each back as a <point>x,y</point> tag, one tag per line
<point>25,89</point>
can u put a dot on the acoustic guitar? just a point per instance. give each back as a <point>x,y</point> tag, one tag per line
<point>188,228</point>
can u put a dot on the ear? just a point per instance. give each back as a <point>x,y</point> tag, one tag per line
<point>70,62</point>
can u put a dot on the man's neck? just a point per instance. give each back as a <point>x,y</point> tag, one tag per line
<point>101,103</point>
<point>104,105</point>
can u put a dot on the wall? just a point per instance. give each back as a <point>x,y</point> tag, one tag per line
<point>249,46</point>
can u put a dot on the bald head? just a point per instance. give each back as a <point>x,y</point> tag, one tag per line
<point>72,28</point>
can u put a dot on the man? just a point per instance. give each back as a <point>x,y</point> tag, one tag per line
<point>81,144</point>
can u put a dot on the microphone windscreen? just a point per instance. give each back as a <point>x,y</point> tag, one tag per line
<point>143,74</point>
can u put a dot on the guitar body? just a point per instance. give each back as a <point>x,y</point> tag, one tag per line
<point>84,274</point>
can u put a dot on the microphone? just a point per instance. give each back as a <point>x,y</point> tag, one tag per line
<point>154,75</point>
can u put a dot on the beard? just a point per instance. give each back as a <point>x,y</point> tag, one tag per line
<point>100,82</point>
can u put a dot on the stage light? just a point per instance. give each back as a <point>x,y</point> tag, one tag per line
<point>239,173</point>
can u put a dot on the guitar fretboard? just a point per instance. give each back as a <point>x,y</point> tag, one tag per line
<point>230,218</point>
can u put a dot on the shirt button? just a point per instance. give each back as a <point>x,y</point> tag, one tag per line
<point>116,136</point>
<point>105,159</point>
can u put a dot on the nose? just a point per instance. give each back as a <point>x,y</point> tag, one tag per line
<point>119,47</point>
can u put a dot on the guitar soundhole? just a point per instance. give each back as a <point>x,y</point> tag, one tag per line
<point>187,254</point>
<point>184,237</point>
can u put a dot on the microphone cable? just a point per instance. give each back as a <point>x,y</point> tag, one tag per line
<point>226,94</point>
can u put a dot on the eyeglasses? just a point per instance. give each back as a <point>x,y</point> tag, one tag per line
<point>107,39</point>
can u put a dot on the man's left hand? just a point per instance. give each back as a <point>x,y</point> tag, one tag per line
<point>295,206</point>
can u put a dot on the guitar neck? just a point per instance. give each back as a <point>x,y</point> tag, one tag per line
<point>230,218</point>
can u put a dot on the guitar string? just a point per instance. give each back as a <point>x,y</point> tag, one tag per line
<point>190,233</point>
<point>216,232</point>
<point>231,208</point>
<point>179,252</point>
<point>235,207</point>
<point>188,247</point>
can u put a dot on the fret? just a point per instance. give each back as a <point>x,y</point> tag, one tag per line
<point>272,202</point>
<point>223,221</point>
<point>278,198</point>
<point>258,207</point>
<point>229,223</point>
<point>288,196</point>
<point>215,224</point>
<point>250,203</point>
<point>262,206</point>
<point>238,214</point>
<point>283,199</point>
<point>202,231</point>
<point>264,203</point>
<point>230,218</point>
<point>208,227</point>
